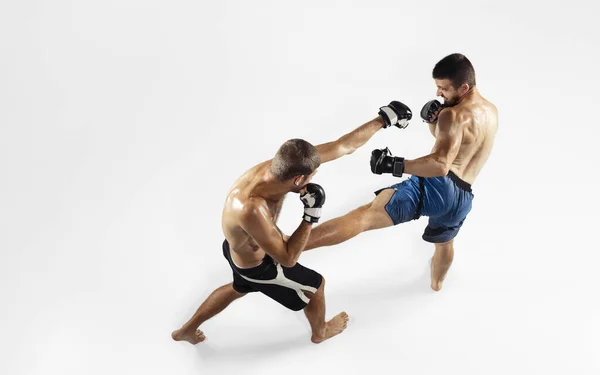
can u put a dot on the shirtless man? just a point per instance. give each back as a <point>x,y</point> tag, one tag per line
<point>464,128</point>
<point>261,257</point>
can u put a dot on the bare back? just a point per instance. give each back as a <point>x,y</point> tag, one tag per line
<point>245,252</point>
<point>478,119</point>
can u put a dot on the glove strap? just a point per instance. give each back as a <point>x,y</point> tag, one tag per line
<point>390,115</point>
<point>398,166</point>
<point>312,214</point>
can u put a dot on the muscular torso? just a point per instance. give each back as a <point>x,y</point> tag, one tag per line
<point>477,118</point>
<point>244,251</point>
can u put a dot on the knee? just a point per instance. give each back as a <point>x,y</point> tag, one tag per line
<point>376,216</point>
<point>320,290</point>
<point>446,247</point>
<point>322,286</point>
<point>445,251</point>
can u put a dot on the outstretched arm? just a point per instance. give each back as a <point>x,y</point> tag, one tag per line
<point>348,143</point>
<point>448,140</point>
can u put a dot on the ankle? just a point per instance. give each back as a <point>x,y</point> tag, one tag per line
<point>319,334</point>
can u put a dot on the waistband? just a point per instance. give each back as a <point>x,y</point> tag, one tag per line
<point>460,183</point>
<point>253,272</point>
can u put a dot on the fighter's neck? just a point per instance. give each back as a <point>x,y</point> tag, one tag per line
<point>268,187</point>
<point>472,93</point>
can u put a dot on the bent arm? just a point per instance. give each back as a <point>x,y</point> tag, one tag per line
<point>447,145</point>
<point>348,143</point>
<point>257,223</point>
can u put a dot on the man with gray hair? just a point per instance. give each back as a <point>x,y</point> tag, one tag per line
<point>261,257</point>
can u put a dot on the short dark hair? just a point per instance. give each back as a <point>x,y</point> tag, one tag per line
<point>457,68</point>
<point>294,158</point>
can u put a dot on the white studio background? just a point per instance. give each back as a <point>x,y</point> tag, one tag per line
<point>124,123</point>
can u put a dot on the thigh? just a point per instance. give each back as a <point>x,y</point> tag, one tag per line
<point>308,279</point>
<point>240,285</point>
<point>377,216</point>
<point>444,228</point>
<point>399,201</point>
<point>289,285</point>
<point>439,231</point>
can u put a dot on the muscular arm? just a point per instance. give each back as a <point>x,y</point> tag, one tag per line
<point>432,129</point>
<point>256,221</point>
<point>447,145</point>
<point>348,143</point>
<point>277,211</point>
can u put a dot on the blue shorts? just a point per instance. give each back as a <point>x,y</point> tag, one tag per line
<point>445,200</point>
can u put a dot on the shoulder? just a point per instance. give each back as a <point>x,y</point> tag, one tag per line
<point>253,209</point>
<point>493,106</point>
<point>447,118</point>
<point>260,167</point>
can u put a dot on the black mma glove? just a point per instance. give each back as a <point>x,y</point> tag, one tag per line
<point>430,111</point>
<point>382,161</point>
<point>396,113</point>
<point>313,199</point>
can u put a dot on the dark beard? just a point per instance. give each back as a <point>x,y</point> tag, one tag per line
<point>451,102</point>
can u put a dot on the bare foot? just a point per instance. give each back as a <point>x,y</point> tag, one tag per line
<point>191,337</point>
<point>333,327</point>
<point>436,279</point>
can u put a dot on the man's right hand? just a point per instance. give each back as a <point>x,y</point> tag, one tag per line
<point>313,197</point>
<point>431,111</point>
<point>395,113</point>
<point>382,161</point>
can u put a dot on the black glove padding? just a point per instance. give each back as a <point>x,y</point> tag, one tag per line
<point>431,110</point>
<point>313,199</point>
<point>396,113</point>
<point>382,161</point>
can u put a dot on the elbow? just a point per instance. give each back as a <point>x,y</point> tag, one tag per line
<point>444,169</point>
<point>344,148</point>
<point>443,166</point>
<point>287,260</point>
<point>348,150</point>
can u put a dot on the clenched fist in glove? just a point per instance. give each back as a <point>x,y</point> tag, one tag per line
<point>313,197</point>
<point>395,113</point>
<point>431,110</point>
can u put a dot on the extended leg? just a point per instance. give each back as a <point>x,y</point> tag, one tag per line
<point>440,263</point>
<point>315,313</point>
<point>214,304</point>
<point>367,217</point>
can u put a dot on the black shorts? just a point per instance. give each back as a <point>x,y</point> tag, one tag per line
<point>284,285</point>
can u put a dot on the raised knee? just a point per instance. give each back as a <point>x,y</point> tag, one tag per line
<point>376,216</point>
<point>383,197</point>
